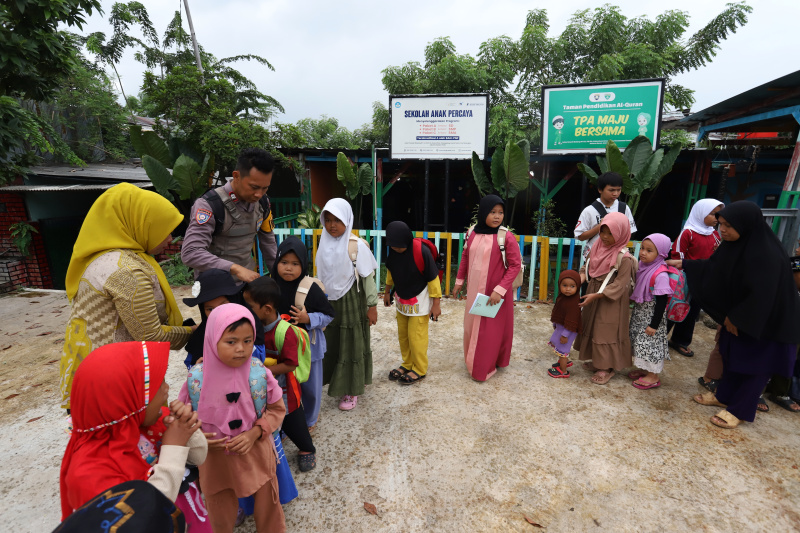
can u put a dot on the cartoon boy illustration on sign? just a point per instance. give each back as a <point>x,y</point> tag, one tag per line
<point>643,120</point>
<point>558,124</point>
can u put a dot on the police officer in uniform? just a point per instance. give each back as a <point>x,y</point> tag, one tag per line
<point>225,221</point>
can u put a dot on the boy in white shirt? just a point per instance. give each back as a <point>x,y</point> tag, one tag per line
<point>609,185</point>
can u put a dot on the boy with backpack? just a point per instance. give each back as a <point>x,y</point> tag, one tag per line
<point>411,269</point>
<point>609,185</point>
<point>289,346</point>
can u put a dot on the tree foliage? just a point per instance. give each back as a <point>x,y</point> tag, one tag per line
<point>641,168</point>
<point>35,57</point>
<point>600,44</point>
<point>220,110</point>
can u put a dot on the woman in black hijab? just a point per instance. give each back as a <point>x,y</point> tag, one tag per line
<point>747,286</point>
<point>418,295</point>
<point>291,265</point>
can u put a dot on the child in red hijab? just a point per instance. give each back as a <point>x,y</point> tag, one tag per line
<point>566,319</point>
<point>118,390</point>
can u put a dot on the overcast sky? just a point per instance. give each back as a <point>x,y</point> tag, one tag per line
<point>328,56</point>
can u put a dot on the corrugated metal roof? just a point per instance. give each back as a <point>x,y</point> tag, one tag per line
<point>777,94</point>
<point>67,188</point>
<point>94,171</point>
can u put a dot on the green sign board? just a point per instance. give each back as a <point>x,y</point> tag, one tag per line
<point>583,118</point>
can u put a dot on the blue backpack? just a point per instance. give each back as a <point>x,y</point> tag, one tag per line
<point>258,385</point>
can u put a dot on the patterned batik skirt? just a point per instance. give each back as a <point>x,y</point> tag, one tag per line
<point>649,352</point>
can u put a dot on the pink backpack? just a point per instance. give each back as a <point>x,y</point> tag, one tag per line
<point>678,304</point>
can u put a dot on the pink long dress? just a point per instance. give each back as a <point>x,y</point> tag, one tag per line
<point>487,341</point>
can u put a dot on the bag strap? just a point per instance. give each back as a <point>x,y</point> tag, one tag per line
<point>599,207</point>
<point>501,241</point>
<point>280,334</point>
<point>611,272</point>
<point>621,207</point>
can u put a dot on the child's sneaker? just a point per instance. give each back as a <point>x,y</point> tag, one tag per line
<point>558,373</point>
<point>557,364</point>
<point>348,403</point>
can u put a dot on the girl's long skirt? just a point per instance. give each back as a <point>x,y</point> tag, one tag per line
<point>649,352</point>
<point>347,366</point>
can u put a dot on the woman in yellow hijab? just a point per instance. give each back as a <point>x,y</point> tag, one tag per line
<point>117,289</point>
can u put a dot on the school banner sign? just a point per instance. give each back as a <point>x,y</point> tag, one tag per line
<point>438,126</point>
<point>582,118</point>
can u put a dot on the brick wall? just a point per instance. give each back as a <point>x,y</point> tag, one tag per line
<point>15,270</point>
<point>172,249</point>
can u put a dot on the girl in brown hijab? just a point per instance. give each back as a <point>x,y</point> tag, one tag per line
<point>566,319</point>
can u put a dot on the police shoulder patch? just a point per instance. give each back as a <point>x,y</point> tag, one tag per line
<point>203,215</point>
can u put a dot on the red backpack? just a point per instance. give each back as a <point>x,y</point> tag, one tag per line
<point>416,248</point>
<point>678,304</point>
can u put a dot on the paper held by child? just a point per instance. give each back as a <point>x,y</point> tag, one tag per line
<point>481,306</point>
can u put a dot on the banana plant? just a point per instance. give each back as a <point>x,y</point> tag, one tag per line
<point>509,171</point>
<point>357,181</point>
<point>191,168</point>
<point>641,168</point>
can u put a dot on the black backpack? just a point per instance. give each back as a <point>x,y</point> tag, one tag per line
<point>218,208</point>
<point>598,206</point>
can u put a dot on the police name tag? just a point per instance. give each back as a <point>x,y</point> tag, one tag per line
<point>203,215</point>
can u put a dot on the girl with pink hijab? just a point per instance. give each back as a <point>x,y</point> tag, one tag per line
<point>605,340</point>
<point>241,452</point>
<point>648,323</point>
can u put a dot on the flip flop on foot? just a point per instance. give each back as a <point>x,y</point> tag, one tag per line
<point>710,385</point>
<point>708,398</point>
<point>785,402</point>
<point>762,405</point>
<point>637,374</point>
<point>683,350</point>
<point>601,377</point>
<point>645,385</point>
<point>725,420</point>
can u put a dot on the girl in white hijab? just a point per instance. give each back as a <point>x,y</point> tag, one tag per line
<point>697,240</point>
<point>350,284</point>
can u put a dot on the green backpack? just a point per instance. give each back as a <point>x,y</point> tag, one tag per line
<point>303,349</point>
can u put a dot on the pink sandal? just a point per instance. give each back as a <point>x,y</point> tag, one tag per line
<point>644,385</point>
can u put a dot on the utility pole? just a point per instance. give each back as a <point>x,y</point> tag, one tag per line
<point>194,39</point>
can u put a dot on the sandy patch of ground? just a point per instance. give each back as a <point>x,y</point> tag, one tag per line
<point>450,454</point>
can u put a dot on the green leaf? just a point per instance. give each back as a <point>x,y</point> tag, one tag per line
<point>602,162</point>
<point>636,153</point>
<point>525,146</point>
<point>516,168</point>
<point>160,176</point>
<point>344,171</point>
<point>365,178</point>
<point>484,185</point>
<point>615,161</point>
<point>178,146</point>
<point>665,167</point>
<point>206,169</point>
<point>187,175</point>
<point>149,143</point>
<point>647,178</point>
<point>499,171</point>
<point>587,171</point>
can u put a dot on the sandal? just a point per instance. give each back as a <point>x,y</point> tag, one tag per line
<point>645,385</point>
<point>683,350</point>
<point>725,420</point>
<point>785,402</point>
<point>762,405</point>
<point>710,385</point>
<point>558,365</point>
<point>556,372</point>
<point>708,398</point>
<point>637,374</point>
<point>601,377</point>
<point>397,373</point>
<point>408,380</point>
<point>307,461</point>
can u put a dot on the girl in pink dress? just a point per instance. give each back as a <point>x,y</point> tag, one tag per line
<point>487,341</point>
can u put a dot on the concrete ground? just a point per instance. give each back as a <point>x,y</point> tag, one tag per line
<point>450,454</point>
